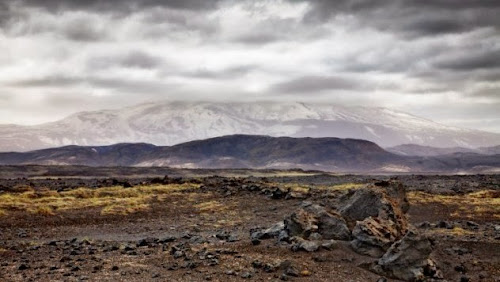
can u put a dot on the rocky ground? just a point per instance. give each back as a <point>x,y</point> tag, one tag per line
<point>278,226</point>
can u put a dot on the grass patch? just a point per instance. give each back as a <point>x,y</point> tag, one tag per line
<point>455,231</point>
<point>210,207</point>
<point>471,205</point>
<point>112,200</point>
<point>300,188</point>
<point>344,186</point>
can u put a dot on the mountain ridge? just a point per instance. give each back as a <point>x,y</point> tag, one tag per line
<point>169,123</point>
<point>257,152</point>
<point>428,151</point>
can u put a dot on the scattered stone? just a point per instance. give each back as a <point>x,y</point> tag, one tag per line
<point>167,239</point>
<point>52,243</point>
<point>460,268</point>
<point>329,244</point>
<point>424,224</point>
<point>444,224</point>
<point>268,267</point>
<point>283,236</point>
<point>305,245</point>
<point>291,271</point>
<point>256,242</point>
<point>257,264</point>
<point>271,232</point>
<point>472,224</point>
<point>231,272</point>
<point>147,242</point>
<point>246,275</point>
<point>458,250</point>
<point>315,237</point>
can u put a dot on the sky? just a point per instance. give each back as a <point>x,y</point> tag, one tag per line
<point>438,59</point>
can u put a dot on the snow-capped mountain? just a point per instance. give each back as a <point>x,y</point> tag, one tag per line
<point>169,123</point>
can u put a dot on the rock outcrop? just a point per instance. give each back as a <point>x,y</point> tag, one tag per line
<point>373,236</point>
<point>312,218</point>
<point>408,259</point>
<point>374,219</point>
<point>377,215</point>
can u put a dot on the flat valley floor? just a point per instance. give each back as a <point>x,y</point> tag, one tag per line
<point>125,224</point>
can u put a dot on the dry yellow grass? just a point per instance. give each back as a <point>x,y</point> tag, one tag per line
<point>306,188</point>
<point>456,231</point>
<point>113,200</point>
<point>344,186</point>
<point>210,206</point>
<point>481,203</point>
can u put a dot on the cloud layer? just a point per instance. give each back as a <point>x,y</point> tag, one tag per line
<point>438,59</point>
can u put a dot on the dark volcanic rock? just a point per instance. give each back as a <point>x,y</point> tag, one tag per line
<point>313,219</point>
<point>271,232</point>
<point>301,224</point>
<point>388,203</point>
<point>408,259</point>
<point>305,245</point>
<point>378,213</point>
<point>373,236</point>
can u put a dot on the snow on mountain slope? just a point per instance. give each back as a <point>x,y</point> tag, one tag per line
<point>169,123</point>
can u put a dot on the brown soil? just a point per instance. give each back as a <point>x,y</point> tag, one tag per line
<point>83,244</point>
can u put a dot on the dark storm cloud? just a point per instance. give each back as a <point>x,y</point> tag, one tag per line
<point>493,92</point>
<point>258,38</point>
<point>385,52</point>
<point>228,73</point>
<point>49,81</point>
<point>134,59</point>
<point>5,13</point>
<point>82,30</point>
<point>132,86</point>
<point>125,86</point>
<point>180,19</point>
<point>310,84</point>
<point>117,6</point>
<point>481,59</point>
<point>412,17</point>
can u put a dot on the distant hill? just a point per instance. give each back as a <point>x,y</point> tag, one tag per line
<point>254,151</point>
<point>427,151</point>
<point>170,123</point>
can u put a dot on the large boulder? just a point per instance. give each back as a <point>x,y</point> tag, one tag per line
<point>408,259</point>
<point>301,224</point>
<point>373,236</point>
<point>377,215</point>
<point>389,203</point>
<point>332,226</point>
<point>312,218</point>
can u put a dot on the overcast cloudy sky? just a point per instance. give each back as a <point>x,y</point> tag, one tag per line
<point>439,59</point>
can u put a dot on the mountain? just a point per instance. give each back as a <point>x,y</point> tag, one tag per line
<point>254,151</point>
<point>495,150</point>
<point>169,123</point>
<point>427,151</point>
<point>234,151</point>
